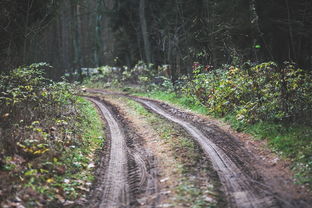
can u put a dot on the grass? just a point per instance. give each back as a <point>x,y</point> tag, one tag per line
<point>61,174</point>
<point>181,101</point>
<point>190,191</point>
<point>74,169</point>
<point>80,160</point>
<point>292,142</point>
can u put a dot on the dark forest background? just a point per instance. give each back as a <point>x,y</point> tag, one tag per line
<point>72,34</point>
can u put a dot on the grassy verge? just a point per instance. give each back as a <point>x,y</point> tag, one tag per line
<point>181,101</point>
<point>191,191</point>
<point>80,159</point>
<point>293,142</point>
<point>61,174</point>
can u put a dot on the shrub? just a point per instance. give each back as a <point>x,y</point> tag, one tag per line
<point>30,103</point>
<point>48,136</point>
<point>254,93</point>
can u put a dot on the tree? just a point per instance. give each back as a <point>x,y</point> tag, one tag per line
<point>145,34</point>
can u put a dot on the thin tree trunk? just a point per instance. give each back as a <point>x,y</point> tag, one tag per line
<point>76,34</point>
<point>291,37</point>
<point>29,6</point>
<point>254,18</point>
<point>98,39</point>
<point>145,35</point>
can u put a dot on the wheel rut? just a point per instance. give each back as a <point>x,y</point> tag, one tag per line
<point>242,181</point>
<point>125,171</point>
<point>236,184</point>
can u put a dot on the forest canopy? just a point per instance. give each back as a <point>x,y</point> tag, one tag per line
<point>90,33</point>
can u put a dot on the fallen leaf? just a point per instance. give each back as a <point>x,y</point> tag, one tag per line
<point>50,180</point>
<point>60,198</point>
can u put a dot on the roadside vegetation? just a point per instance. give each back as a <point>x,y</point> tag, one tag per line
<point>47,142</point>
<point>266,100</point>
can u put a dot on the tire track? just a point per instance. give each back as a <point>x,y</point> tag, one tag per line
<point>243,182</point>
<point>127,171</point>
<point>237,185</point>
<point>116,187</point>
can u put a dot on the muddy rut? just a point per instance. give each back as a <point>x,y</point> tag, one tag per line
<point>242,182</point>
<point>242,192</point>
<point>125,170</point>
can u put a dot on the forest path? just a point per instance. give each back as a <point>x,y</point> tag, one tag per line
<point>244,184</point>
<point>124,170</point>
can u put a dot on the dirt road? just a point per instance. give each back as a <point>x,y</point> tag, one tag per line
<point>243,182</point>
<point>125,174</point>
<point>240,187</point>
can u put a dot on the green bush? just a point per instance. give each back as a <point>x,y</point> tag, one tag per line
<point>48,139</point>
<point>254,93</point>
<point>28,102</point>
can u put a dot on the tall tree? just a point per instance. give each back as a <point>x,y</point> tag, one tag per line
<point>145,34</point>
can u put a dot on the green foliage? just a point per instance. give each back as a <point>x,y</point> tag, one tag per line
<point>262,92</point>
<point>77,159</point>
<point>49,138</point>
<point>141,74</point>
<point>107,76</point>
<point>182,101</point>
<point>292,141</point>
<point>265,100</point>
<point>26,96</point>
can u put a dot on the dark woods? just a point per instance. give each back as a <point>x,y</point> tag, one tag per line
<point>88,33</point>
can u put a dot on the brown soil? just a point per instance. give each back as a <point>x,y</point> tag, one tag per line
<point>252,176</point>
<point>127,171</point>
<point>169,158</point>
<point>266,172</point>
<point>167,172</point>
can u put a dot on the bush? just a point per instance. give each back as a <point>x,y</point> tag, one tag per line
<point>47,136</point>
<point>254,93</point>
<point>30,103</point>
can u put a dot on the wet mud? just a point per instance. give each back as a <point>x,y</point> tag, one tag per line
<point>245,179</point>
<point>126,171</point>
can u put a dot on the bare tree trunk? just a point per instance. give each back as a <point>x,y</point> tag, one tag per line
<point>254,18</point>
<point>98,31</point>
<point>76,36</point>
<point>108,37</point>
<point>146,41</point>
<point>29,6</point>
<point>291,37</point>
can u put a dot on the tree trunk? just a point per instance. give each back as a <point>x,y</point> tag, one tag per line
<point>145,35</point>
<point>291,53</point>
<point>76,36</point>
<point>29,7</point>
<point>98,39</point>
<point>258,34</point>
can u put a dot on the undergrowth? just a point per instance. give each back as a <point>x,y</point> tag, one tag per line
<point>292,141</point>
<point>48,140</point>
